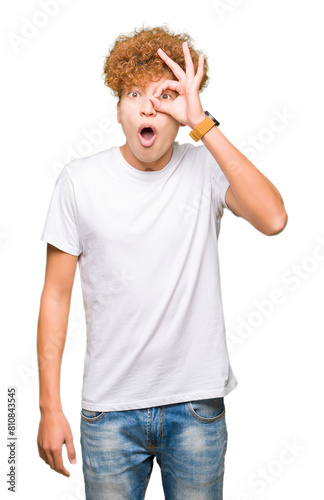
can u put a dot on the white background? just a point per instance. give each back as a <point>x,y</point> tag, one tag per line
<point>265,58</point>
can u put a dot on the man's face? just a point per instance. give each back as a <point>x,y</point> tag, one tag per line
<point>150,134</point>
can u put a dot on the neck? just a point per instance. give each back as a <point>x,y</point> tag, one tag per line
<point>147,166</point>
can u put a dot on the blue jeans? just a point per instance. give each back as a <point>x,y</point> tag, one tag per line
<point>189,441</point>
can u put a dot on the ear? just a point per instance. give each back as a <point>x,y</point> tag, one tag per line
<point>118,106</point>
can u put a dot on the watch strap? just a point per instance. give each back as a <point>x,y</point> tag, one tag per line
<point>200,130</point>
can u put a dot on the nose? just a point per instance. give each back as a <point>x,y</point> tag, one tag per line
<point>147,108</point>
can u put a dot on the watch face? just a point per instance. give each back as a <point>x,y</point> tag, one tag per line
<point>211,116</point>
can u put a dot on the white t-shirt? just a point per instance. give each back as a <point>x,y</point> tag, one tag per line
<point>149,268</point>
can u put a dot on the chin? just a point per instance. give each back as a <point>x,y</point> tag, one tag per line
<point>148,158</point>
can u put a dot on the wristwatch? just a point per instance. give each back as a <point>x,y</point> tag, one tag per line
<point>203,127</point>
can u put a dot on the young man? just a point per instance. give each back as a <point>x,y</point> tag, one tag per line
<point>143,221</point>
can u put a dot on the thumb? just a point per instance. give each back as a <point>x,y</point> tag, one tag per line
<point>70,450</point>
<point>163,107</point>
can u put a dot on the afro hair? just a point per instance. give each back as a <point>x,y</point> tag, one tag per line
<point>133,58</point>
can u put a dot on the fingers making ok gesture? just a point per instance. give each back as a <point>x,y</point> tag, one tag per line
<point>186,108</point>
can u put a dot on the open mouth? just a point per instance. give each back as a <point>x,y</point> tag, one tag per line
<point>147,136</point>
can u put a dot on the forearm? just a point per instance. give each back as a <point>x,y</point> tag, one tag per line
<point>51,336</point>
<point>254,192</point>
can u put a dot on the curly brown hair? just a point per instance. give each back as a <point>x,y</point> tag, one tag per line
<point>133,58</point>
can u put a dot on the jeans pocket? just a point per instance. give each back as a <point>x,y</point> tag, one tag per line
<point>207,410</point>
<point>91,415</point>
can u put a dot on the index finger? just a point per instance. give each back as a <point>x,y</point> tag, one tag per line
<point>178,72</point>
<point>57,461</point>
<point>190,69</point>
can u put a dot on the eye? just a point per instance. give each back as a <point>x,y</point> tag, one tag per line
<point>167,96</point>
<point>131,94</point>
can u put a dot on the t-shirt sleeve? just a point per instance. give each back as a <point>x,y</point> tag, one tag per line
<point>61,227</point>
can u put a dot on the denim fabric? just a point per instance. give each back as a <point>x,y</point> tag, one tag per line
<point>189,441</point>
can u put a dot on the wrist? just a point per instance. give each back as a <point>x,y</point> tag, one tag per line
<point>203,126</point>
<point>197,120</point>
<point>50,407</point>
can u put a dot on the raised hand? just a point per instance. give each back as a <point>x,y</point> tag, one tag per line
<point>186,108</point>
